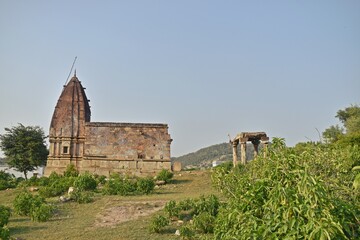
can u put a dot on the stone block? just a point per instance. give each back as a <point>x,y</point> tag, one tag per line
<point>176,166</point>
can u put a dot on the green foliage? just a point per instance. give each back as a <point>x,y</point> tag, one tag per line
<point>204,222</point>
<point>333,133</point>
<point>4,215</point>
<point>350,117</point>
<point>118,186</point>
<point>4,233</point>
<point>57,186</point>
<point>289,195</point>
<point>7,180</point>
<point>145,185</point>
<point>157,223</point>
<point>165,175</point>
<point>41,213</point>
<point>85,182</point>
<point>186,232</point>
<point>100,179</point>
<point>23,203</point>
<point>34,206</point>
<point>209,204</point>
<point>356,183</point>
<point>172,209</point>
<point>24,147</point>
<point>71,171</point>
<point>82,196</point>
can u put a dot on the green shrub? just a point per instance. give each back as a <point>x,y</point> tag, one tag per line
<point>71,171</point>
<point>81,196</point>
<point>186,204</point>
<point>157,223</point>
<point>7,180</point>
<point>85,182</point>
<point>145,185</point>
<point>57,186</point>
<point>186,232</point>
<point>204,222</point>
<point>100,179</point>
<point>26,204</point>
<point>4,215</point>
<point>290,194</point>
<point>208,204</point>
<point>118,186</point>
<point>165,175</point>
<point>23,203</point>
<point>4,233</point>
<point>41,213</point>
<point>172,209</point>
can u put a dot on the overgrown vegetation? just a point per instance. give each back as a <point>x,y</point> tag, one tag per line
<point>34,206</point>
<point>198,216</point>
<point>289,195</point>
<point>165,175</point>
<point>310,191</point>
<point>4,219</point>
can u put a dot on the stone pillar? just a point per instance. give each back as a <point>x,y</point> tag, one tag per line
<point>266,143</point>
<point>235,157</point>
<point>243,152</point>
<point>256,147</point>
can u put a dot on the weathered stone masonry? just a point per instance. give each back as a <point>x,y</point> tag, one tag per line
<point>101,147</point>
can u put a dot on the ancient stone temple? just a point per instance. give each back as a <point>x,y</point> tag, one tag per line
<point>254,137</point>
<point>103,147</point>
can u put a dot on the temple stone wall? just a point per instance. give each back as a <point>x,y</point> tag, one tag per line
<point>129,148</point>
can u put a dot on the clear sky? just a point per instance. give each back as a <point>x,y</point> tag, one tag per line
<point>207,68</point>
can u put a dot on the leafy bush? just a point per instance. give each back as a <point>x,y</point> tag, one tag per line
<point>81,196</point>
<point>204,222</point>
<point>4,233</point>
<point>85,182</point>
<point>23,203</point>
<point>71,171</point>
<point>208,204</point>
<point>57,186</point>
<point>41,213</point>
<point>119,186</point>
<point>100,179</point>
<point>7,180</point>
<point>145,185</point>
<point>4,215</point>
<point>26,204</point>
<point>172,209</point>
<point>157,223</point>
<point>186,232</point>
<point>186,204</point>
<point>165,175</point>
<point>289,194</point>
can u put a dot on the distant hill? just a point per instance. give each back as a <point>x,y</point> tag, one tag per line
<point>204,157</point>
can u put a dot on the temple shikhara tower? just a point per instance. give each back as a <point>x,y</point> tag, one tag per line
<point>103,147</point>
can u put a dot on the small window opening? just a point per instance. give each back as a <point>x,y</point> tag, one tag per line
<point>65,149</point>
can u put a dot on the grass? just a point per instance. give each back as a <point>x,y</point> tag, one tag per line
<point>77,221</point>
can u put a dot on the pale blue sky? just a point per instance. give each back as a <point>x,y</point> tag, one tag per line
<point>207,68</point>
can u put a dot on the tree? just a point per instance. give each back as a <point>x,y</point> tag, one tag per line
<point>333,133</point>
<point>350,117</point>
<point>24,147</point>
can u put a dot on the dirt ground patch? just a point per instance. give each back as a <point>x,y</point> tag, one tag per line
<point>127,211</point>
